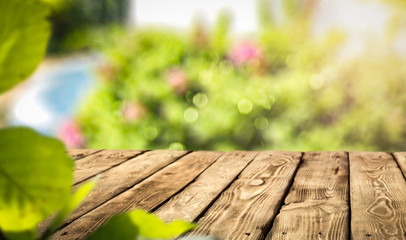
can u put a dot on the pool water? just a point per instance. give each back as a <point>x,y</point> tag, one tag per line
<point>54,94</point>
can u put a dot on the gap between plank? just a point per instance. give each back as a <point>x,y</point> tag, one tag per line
<point>225,189</point>
<point>401,170</point>
<point>349,195</point>
<point>82,157</point>
<point>180,190</point>
<point>105,170</point>
<point>74,219</point>
<point>266,231</point>
<point>397,162</point>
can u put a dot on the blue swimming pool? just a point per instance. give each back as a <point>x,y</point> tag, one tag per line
<point>54,94</point>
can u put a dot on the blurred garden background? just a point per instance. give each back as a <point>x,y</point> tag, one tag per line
<point>220,75</point>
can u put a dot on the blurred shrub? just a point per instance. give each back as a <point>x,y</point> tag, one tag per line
<point>75,17</point>
<point>280,89</point>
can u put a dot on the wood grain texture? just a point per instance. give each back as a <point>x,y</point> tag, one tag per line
<point>193,200</point>
<point>378,202</point>
<point>124,176</point>
<point>401,160</point>
<point>120,178</point>
<point>246,209</point>
<point>81,153</point>
<point>317,206</point>
<point>92,165</point>
<point>147,195</point>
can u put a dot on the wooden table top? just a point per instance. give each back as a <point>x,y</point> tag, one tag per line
<point>247,194</point>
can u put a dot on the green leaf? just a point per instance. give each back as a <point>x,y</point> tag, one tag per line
<point>56,4</point>
<point>142,224</point>
<point>118,227</point>
<point>24,32</point>
<point>35,178</point>
<point>22,235</point>
<point>151,226</point>
<point>71,205</point>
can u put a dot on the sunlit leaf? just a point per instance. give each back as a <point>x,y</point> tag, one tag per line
<point>35,178</point>
<point>73,203</point>
<point>142,224</point>
<point>151,226</point>
<point>22,235</point>
<point>56,4</point>
<point>24,32</point>
<point>118,227</point>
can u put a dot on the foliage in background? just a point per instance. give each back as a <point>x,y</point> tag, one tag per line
<point>203,90</point>
<point>71,18</point>
<point>35,171</point>
<point>279,89</point>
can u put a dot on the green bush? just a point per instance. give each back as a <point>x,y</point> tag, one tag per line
<point>279,89</point>
<point>71,18</point>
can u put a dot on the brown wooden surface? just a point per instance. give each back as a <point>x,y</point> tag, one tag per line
<point>94,164</point>
<point>378,197</point>
<point>81,153</point>
<point>248,195</point>
<point>147,195</point>
<point>247,207</point>
<point>119,179</point>
<point>401,160</point>
<point>317,204</point>
<point>201,193</point>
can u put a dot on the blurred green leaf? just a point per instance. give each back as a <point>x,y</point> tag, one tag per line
<point>35,178</point>
<point>24,32</point>
<point>56,4</point>
<point>151,226</point>
<point>21,235</point>
<point>73,203</point>
<point>118,227</point>
<point>140,223</point>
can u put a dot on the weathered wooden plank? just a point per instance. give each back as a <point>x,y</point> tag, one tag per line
<point>77,154</point>
<point>246,209</point>
<point>378,203</point>
<point>401,160</point>
<point>147,195</point>
<point>120,178</point>
<point>317,206</point>
<point>124,176</point>
<point>92,165</point>
<point>192,201</point>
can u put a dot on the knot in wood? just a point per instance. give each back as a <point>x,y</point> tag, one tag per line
<point>257,182</point>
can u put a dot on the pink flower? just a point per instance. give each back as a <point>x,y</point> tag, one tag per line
<point>108,71</point>
<point>177,79</point>
<point>71,135</point>
<point>245,53</point>
<point>132,111</point>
